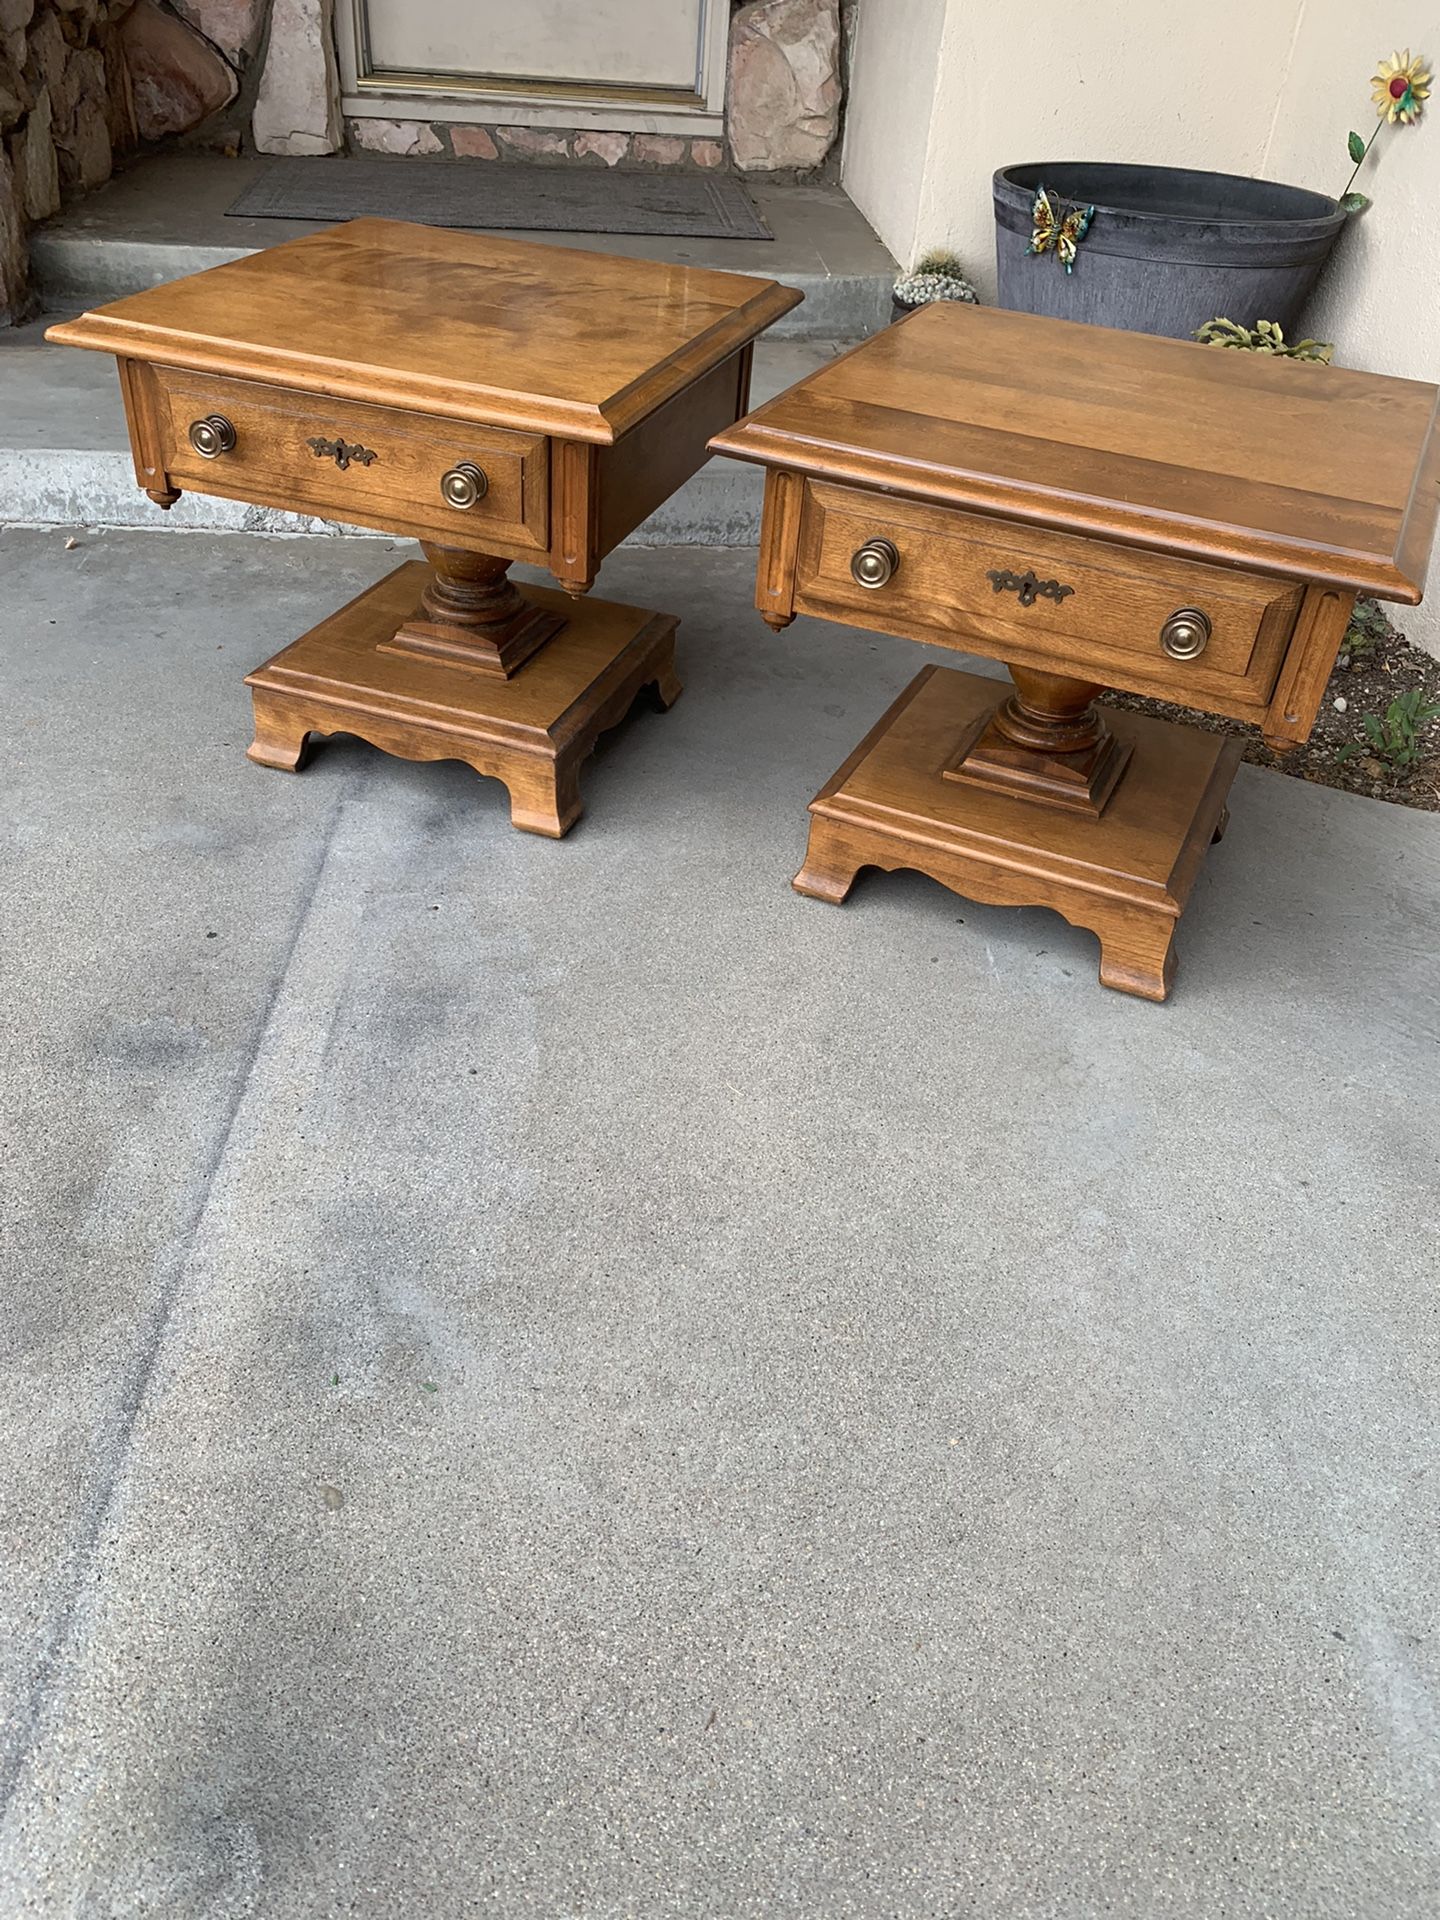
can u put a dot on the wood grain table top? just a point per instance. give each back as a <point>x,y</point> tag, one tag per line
<point>471,326</point>
<point>1308,471</point>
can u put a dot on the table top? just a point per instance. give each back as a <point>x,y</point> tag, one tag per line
<point>472,326</point>
<point>1312,472</point>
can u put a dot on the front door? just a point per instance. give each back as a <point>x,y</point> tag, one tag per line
<point>657,58</point>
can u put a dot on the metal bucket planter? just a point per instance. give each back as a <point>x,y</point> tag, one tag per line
<point>1168,248</point>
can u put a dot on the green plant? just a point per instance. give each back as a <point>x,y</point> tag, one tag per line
<point>939,261</point>
<point>1395,736</point>
<point>1266,337</point>
<point>1369,625</point>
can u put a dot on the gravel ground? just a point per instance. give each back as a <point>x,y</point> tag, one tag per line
<point>1380,666</point>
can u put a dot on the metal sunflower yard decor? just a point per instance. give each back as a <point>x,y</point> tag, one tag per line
<point>1062,231</point>
<point>1400,90</point>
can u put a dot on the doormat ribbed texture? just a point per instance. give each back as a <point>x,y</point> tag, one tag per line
<point>496,194</point>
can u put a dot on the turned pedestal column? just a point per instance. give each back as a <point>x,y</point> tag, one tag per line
<point>473,614</point>
<point>1048,741</point>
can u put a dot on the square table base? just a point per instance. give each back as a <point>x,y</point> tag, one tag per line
<point>1125,876</point>
<point>531,731</point>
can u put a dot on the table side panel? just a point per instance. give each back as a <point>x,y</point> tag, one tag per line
<point>643,468</point>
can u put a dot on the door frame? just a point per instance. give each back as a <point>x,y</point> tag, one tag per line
<point>371,93</point>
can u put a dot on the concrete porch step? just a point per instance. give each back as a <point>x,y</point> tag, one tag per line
<point>166,216</point>
<point>65,455</point>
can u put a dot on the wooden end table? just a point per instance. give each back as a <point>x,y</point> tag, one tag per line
<point>1096,509</point>
<point>496,400</point>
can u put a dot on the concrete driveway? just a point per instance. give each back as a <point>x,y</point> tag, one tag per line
<point>563,1379</point>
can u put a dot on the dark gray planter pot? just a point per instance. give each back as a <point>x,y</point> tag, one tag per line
<point>1168,248</point>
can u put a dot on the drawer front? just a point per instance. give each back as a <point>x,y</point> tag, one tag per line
<point>1052,600</point>
<point>375,466</point>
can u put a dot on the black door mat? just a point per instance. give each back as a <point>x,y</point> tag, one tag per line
<point>497,194</point>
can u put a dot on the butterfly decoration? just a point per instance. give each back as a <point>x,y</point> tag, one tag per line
<point>1063,232</point>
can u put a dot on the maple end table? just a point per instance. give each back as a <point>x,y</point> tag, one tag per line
<point>496,400</point>
<point>1096,509</point>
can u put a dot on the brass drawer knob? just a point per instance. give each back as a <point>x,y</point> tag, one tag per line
<point>212,436</point>
<point>464,486</point>
<point>1186,633</point>
<point>874,563</point>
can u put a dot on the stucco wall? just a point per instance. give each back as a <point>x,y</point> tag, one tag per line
<point>1270,87</point>
<point>894,53</point>
<point>1380,297</point>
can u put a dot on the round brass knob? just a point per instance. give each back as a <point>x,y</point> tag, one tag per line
<point>1186,633</point>
<point>212,436</point>
<point>464,486</point>
<point>874,563</point>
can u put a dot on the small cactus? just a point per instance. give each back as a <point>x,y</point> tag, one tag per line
<point>935,276</point>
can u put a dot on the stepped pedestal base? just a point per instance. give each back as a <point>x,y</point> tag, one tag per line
<point>1122,862</point>
<point>529,723</point>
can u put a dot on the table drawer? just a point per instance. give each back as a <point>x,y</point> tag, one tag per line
<point>1054,600</point>
<point>376,466</point>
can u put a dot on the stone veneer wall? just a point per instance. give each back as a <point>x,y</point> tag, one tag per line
<point>65,105</point>
<point>82,81</point>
